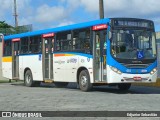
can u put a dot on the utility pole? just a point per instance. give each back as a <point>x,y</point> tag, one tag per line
<point>101,9</point>
<point>15,14</point>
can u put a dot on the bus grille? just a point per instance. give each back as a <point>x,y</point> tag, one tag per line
<point>140,66</point>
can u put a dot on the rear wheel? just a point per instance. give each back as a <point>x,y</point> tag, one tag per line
<point>124,86</point>
<point>61,84</point>
<point>28,79</point>
<point>84,81</point>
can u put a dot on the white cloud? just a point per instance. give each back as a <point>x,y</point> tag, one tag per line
<point>7,10</point>
<point>62,12</point>
<point>23,4</point>
<point>131,8</point>
<point>46,13</point>
<point>25,20</point>
<point>5,4</point>
<point>65,23</point>
<point>90,5</point>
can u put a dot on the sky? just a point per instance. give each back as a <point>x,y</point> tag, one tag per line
<point>43,14</point>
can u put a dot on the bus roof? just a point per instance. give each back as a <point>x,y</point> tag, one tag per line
<point>58,29</point>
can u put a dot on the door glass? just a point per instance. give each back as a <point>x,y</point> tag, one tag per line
<point>48,64</point>
<point>15,59</point>
<point>100,62</point>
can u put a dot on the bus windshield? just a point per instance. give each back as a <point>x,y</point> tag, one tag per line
<point>125,44</point>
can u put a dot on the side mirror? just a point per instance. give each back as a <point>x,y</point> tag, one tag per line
<point>110,35</point>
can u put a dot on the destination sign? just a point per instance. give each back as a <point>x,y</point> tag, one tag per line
<point>125,23</point>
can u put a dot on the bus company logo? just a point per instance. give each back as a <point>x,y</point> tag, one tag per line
<point>136,62</point>
<point>40,58</point>
<point>128,70</point>
<point>137,71</point>
<point>72,60</point>
<point>82,60</point>
<point>59,62</point>
<point>143,71</point>
<point>88,59</point>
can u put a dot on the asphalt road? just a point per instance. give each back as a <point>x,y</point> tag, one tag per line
<point>17,97</point>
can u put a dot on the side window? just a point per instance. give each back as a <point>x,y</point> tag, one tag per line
<point>8,48</point>
<point>64,41</point>
<point>82,40</point>
<point>35,44</point>
<point>24,45</point>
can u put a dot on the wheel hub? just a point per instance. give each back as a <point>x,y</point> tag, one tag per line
<point>83,81</point>
<point>28,78</point>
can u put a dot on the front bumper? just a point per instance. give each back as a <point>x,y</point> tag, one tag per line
<point>113,77</point>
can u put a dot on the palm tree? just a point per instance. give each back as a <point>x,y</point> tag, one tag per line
<point>3,24</point>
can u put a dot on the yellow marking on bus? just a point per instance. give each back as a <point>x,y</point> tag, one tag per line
<point>59,55</point>
<point>69,55</point>
<point>7,59</point>
<point>62,55</point>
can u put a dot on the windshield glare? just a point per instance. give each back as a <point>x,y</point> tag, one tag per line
<point>127,44</point>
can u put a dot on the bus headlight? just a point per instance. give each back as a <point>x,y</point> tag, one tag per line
<point>153,71</point>
<point>116,70</point>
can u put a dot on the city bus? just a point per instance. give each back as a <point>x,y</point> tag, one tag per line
<point>110,51</point>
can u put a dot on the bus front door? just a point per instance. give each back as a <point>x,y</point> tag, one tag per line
<point>48,48</point>
<point>100,57</point>
<point>15,58</point>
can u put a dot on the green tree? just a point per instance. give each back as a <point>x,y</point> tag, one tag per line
<point>7,29</point>
<point>3,24</point>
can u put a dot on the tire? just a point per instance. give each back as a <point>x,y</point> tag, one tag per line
<point>84,81</point>
<point>61,84</point>
<point>28,79</point>
<point>124,86</point>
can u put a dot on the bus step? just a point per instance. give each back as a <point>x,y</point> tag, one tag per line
<point>15,78</point>
<point>48,81</point>
<point>99,81</point>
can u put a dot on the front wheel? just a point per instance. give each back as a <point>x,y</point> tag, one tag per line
<point>84,81</point>
<point>124,86</point>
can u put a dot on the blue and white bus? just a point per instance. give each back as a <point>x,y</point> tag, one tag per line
<point>111,51</point>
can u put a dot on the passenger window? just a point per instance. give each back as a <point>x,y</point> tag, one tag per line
<point>82,40</point>
<point>63,41</point>
<point>35,44</point>
<point>7,48</point>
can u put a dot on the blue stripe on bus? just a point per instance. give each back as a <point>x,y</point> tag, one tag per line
<point>59,29</point>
